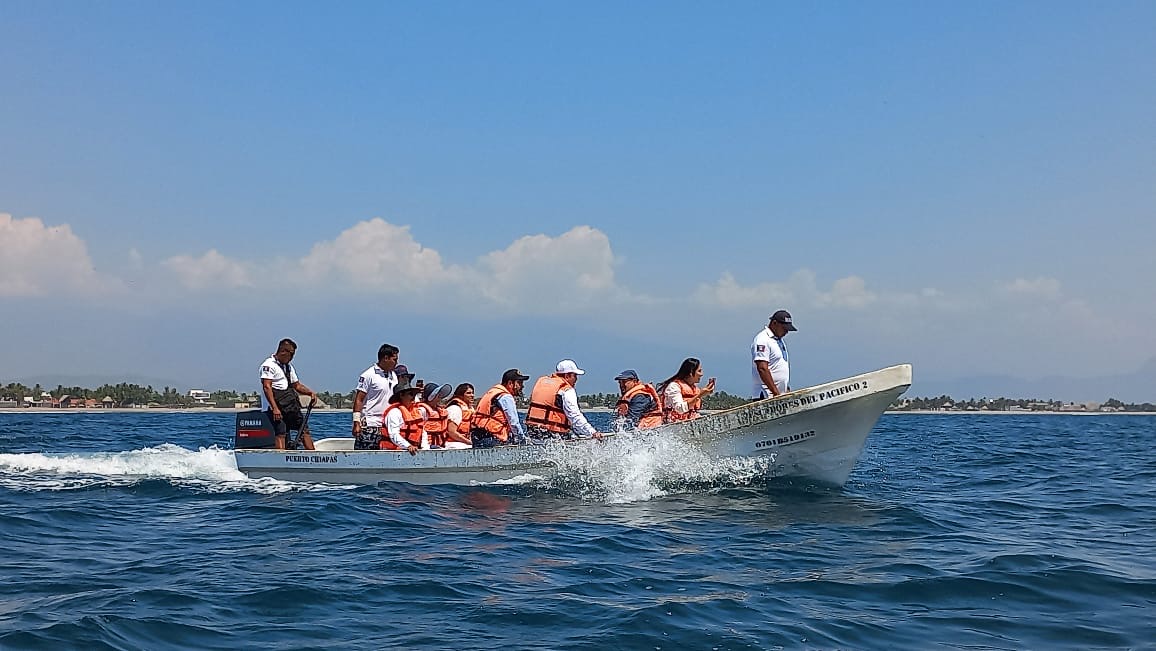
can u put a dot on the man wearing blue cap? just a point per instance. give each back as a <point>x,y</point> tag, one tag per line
<point>638,408</point>
<point>771,374</point>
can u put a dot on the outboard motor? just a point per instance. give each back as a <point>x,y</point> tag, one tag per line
<point>254,430</point>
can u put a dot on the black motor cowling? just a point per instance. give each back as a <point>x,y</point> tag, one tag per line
<point>254,430</point>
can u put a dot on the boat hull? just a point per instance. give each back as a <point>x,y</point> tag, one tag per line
<point>816,434</point>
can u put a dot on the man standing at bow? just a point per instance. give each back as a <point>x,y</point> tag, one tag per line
<point>771,373</point>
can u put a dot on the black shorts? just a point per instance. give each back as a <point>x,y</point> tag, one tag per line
<point>289,421</point>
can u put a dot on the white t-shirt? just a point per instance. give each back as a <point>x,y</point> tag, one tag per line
<point>672,398</point>
<point>454,414</point>
<point>271,370</point>
<point>378,387</point>
<point>770,349</point>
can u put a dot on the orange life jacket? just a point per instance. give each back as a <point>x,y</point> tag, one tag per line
<point>652,418</point>
<point>411,428</point>
<point>435,424</point>
<point>546,405</point>
<point>467,416</point>
<point>693,403</point>
<point>490,417</point>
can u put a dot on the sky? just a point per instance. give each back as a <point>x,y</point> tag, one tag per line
<point>968,187</point>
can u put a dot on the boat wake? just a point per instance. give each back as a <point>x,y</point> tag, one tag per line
<point>638,466</point>
<point>210,470</point>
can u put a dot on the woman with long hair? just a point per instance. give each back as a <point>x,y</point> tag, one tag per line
<point>681,397</point>
<point>459,414</point>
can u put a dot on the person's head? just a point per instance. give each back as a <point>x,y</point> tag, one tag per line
<point>404,393</point>
<point>690,371</point>
<point>514,381</point>
<point>403,373</point>
<point>286,349</point>
<point>627,380</point>
<point>435,394</point>
<point>781,324</point>
<point>387,357</point>
<point>568,370</point>
<point>465,393</point>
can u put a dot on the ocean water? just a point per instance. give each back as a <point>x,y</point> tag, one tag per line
<point>135,531</point>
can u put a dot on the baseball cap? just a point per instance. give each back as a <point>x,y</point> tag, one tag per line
<point>568,366</point>
<point>784,317</point>
<point>512,375</point>
<point>402,371</point>
<point>628,374</point>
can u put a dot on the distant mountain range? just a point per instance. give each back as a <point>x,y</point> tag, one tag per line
<point>1136,387</point>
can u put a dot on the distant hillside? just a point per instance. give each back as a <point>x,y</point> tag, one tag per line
<point>1135,387</point>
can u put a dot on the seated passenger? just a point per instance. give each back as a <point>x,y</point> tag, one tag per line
<point>639,407</point>
<point>496,419</point>
<point>459,415</point>
<point>433,400</point>
<point>404,421</point>
<point>554,405</point>
<point>681,397</point>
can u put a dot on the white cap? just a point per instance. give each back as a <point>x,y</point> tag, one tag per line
<point>568,366</point>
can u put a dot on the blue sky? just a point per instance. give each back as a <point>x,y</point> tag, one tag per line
<point>969,187</point>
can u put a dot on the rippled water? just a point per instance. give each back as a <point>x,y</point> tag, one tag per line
<point>135,531</point>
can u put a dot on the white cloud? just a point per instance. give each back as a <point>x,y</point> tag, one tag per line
<point>536,274</point>
<point>211,270</point>
<point>39,260</point>
<point>380,256</point>
<point>1040,287</point>
<point>530,272</point>
<point>800,289</point>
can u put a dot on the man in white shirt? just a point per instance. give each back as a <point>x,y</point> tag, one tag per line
<point>280,387</point>
<point>770,370</point>
<point>374,388</point>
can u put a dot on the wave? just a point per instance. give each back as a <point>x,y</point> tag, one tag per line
<point>210,469</point>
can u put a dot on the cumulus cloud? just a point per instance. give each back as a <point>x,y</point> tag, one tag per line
<point>801,289</point>
<point>38,260</point>
<point>209,271</point>
<point>535,274</point>
<point>376,254</point>
<point>1040,287</point>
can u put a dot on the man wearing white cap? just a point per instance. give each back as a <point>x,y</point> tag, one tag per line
<point>554,404</point>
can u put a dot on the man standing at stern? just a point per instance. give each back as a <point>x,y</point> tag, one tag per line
<point>771,373</point>
<point>280,388</point>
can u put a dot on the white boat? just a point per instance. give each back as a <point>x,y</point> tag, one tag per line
<point>815,433</point>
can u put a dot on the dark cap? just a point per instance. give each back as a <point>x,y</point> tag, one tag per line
<point>402,371</point>
<point>784,317</point>
<point>628,374</point>
<point>514,375</point>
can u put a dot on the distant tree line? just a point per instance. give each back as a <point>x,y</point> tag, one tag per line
<point>1006,404</point>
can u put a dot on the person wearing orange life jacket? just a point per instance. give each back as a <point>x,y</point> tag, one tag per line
<point>681,397</point>
<point>639,407</point>
<point>496,419</point>
<point>459,416</point>
<point>554,405</point>
<point>404,421</point>
<point>433,398</point>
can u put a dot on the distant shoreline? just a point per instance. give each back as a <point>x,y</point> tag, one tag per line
<point>1018,412</point>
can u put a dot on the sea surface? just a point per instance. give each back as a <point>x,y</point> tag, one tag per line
<point>136,531</point>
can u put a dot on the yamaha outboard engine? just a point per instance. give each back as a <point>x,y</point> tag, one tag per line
<point>254,430</point>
